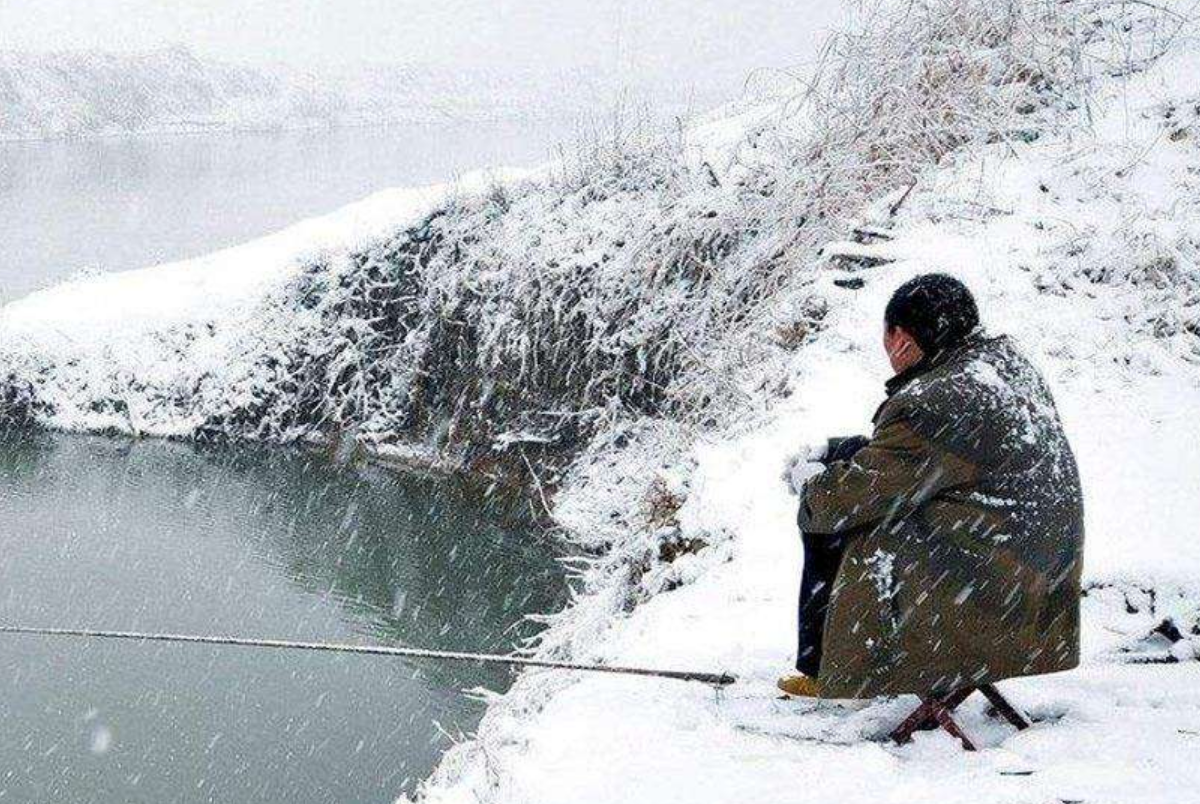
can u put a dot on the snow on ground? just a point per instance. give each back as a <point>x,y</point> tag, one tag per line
<point>1038,232</point>
<point>1107,732</point>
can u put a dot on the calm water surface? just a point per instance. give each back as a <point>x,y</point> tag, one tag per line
<point>114,204</point>
<point>169,537</point>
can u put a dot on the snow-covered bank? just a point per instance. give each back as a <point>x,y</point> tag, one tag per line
<point>1083,246</point>
<point>648,329</point>
<point>133,352</point>
<point>1107,732</point>
<point>628,282</point>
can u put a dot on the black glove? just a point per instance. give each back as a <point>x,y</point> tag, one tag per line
<point>843,449</point>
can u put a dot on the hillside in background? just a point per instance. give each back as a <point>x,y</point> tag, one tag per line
<point>82,94</point>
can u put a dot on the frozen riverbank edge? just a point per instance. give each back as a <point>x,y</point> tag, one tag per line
<point>653,328</point>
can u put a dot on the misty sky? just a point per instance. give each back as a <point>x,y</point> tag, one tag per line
<point>659,38</point>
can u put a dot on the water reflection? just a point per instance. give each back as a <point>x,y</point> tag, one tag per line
<point>169,537</point>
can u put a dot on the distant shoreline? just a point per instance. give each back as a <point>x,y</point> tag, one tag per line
<point>85,95</point>
<point>199,130</point>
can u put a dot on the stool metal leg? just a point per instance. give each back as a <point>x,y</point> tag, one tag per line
<point>934,712</point>
<point>918,720</point>
<point>947,722</point>
<point>1004,708</point>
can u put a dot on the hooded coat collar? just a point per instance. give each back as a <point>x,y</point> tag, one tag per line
<point>896,383</point>
<point>927,363</point>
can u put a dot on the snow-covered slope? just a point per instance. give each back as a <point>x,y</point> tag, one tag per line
<point>80,94</point>
<point>1029,230</point>
<point>647,329</point>
<point>1081,245</point>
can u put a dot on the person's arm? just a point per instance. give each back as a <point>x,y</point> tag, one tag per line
<point>843,448</point>
<point>896,472</point>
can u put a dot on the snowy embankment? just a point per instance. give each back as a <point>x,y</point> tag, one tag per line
<point>642,333</point>
<point>1111,731</point>
<point>113,352</point>
<point>1084,245</point>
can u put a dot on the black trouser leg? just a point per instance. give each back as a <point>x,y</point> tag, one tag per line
<point>822,557</point>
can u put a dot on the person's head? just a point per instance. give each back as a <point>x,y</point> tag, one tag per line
<point>927,314</point>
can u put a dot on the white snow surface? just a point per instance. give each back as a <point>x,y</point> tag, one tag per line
<point>1024,227</point>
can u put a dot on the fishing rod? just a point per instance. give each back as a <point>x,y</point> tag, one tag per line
<point>716,679</point>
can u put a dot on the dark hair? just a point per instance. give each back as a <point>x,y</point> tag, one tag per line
<point>936,309</point>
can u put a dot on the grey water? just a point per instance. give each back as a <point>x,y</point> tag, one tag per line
<point>170,537</point>
<point>120,203</point>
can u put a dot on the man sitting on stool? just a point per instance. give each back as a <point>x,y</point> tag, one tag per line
<point>945,551</point>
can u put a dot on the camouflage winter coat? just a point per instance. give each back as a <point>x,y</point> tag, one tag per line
<point>967,523</point>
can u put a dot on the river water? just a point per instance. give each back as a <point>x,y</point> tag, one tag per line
<point>160,536</point>
<point>114,204</point>
<point>168,537</point>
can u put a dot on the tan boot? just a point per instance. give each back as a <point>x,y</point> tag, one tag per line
<point>800,686</point>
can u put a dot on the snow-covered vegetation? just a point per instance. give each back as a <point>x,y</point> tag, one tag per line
<point>640,333</point>
<point>87,94</point>
<point>635,278</point>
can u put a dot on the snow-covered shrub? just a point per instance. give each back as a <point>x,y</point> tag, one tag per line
<point>909,85</point>
<point>1146,260</point>
<point>16,403</point>
<point>647,274</point>
<point>635,279</point>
